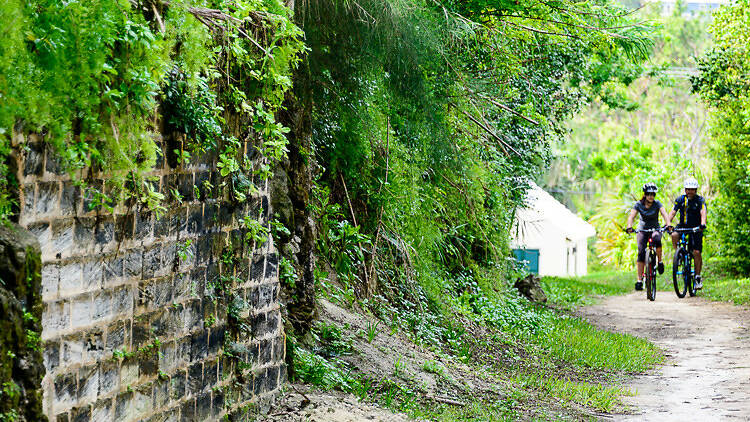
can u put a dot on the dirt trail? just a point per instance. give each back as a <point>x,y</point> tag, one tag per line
<point>707,373</point>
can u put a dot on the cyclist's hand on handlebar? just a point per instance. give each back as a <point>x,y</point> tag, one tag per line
<point>703,227</point>
<point>629,230</point>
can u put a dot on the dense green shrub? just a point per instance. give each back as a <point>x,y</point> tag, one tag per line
<point>724,83</point>
<point>428,121</point>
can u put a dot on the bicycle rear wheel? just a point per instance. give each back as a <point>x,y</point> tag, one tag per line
<point>650,276</point>
<point>680,284</point>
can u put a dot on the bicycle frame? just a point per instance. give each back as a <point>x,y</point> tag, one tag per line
<point>683,243</point>
<point>686,244</point>
<point>685,271</point>
<point>651,252</point>
<point>650,268</point>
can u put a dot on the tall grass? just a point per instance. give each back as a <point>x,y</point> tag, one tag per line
<point>721,285</point>
<point>569,293</point>
<point>594,396</point>
<point>579,343</point>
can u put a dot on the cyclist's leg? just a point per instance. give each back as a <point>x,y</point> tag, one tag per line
<point>657,244</point>
<point>675,239</point>
<point>697,252</point>
<point>642,240</point>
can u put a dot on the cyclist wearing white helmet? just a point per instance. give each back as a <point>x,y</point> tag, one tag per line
<point>649,210</point>
<point>693,211</point>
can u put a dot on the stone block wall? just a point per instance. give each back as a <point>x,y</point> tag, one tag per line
<point>133,327</point>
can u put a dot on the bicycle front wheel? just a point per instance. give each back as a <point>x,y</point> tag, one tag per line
<point>650,276</point>
<point>678,265</point>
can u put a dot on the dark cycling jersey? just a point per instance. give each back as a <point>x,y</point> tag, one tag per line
<point>694,207</point>
<point>649,216</point>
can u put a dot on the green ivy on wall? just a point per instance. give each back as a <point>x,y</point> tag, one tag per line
<point>92,76</point>
<point>108,83</point>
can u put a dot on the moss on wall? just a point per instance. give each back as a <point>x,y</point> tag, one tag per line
<point>21,365</point>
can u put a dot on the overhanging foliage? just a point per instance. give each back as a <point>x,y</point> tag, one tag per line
<point>429,116</point>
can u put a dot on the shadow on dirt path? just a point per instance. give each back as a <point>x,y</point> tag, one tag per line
<point>707,372</point>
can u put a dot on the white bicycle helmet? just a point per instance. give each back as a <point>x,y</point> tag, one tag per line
<point>691,183</point>
<point>650,188</point>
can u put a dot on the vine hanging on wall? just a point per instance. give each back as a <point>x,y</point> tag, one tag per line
<point>96,79</point>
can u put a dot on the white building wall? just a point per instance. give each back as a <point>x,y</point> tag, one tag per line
<point>547,226</point>
<point>550,242</point>
<point>555,251</point>
<point>553,259</point>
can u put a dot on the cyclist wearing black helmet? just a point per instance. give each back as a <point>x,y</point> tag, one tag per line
<point>649,209</point>
<point>693,213</point>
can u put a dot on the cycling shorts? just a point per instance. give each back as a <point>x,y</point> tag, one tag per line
<point>695,239</point>
<point>642,239</point>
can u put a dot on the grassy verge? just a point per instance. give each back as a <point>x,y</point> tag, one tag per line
<point>722,285</point>
<point>730,289</point>
<point>575,361</point>
<point>397,395</point>
<point>582,345</point>
<point>569,293</point>
<point>542,362</point>
<point>477,410</point>
<point>596,396</point>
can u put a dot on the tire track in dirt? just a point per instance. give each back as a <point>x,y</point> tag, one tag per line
<point>707,372</point>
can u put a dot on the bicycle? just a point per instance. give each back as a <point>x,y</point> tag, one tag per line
<point>649,270</point>
<point>682,265</point>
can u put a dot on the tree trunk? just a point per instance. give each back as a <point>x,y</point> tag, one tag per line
<point>290,192</point>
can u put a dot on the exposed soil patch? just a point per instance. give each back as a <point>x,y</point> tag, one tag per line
<point>434,379</point>
<point>300,403</point>
<point>389,356</point>
<point>707,373</point>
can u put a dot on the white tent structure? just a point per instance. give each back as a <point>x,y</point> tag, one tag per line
<point>550,237</point>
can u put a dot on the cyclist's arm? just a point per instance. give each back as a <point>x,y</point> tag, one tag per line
<point>664,215</point>
<point>631,217</point>
<point>670,217</point>
<point>703,214</point>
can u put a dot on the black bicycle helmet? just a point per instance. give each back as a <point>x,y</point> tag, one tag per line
<point>650,188</point>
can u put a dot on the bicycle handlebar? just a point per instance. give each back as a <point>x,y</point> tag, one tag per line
<point>688,230</point>
<point>660,229</point>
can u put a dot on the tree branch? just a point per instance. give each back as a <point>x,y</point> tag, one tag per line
<point>208,17</point>
<point>503,144</point>
<point>540,31</point>
<point>581,12</point>
<point>509,110</point>
<point>604,29</point>
<point>368,288</point>
<point>503,106</point>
